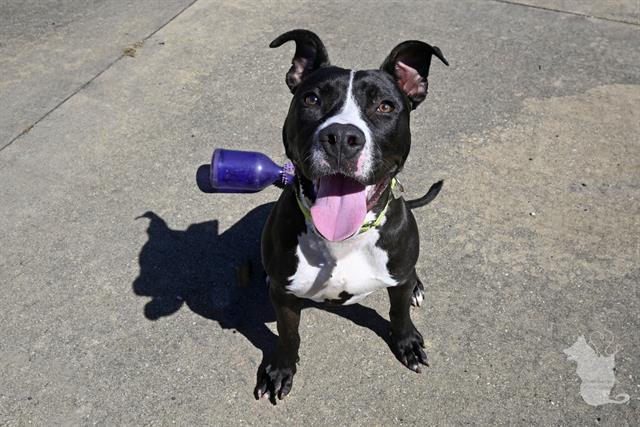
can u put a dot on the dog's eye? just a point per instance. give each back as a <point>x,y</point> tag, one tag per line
<point>311,100</point>
<point>385,107</point>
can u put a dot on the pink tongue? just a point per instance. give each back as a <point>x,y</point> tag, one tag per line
<point>340,207</point>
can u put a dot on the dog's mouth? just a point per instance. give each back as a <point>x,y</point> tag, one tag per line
<point>341,205</point>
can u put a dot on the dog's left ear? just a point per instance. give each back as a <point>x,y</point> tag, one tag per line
<point>409,64</point>
<point>310,55</point>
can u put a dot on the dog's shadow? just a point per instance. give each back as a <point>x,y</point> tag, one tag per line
<point>220,277</point>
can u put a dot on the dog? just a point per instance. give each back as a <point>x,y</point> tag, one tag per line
<point>338,234</point>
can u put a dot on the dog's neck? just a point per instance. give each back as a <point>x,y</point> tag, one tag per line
<point>305,197</point>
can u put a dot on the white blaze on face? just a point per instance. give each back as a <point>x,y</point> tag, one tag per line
<point>351,114</point>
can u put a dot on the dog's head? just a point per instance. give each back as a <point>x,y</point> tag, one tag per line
<point>347,131</point>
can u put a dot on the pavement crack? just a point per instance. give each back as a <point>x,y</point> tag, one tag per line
<point>88,82</point>
<point>584,15</point>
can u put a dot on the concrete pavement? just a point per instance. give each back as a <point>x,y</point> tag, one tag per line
<point>120,304</point>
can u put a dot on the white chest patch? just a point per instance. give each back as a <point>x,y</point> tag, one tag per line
<point>327,269</point>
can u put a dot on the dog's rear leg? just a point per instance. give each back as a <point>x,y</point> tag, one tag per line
<point>275,377</point>
<point>418,293</point>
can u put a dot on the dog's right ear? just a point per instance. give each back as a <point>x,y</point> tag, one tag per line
<point>310,55</point>
<point>409,63</point>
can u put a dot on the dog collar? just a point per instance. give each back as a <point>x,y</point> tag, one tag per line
<point>368,225</point>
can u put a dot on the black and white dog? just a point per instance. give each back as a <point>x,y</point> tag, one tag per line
<point>338,234</point>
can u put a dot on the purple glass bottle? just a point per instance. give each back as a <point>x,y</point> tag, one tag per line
<point>234,171</point>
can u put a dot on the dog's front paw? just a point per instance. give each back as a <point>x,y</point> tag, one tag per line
<point>408,348</point>
<point>275,379</point>
<point>418,294</point>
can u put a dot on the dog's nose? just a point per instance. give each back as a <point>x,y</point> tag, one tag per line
<point>342,141</point>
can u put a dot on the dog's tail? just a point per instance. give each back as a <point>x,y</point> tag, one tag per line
<point>427,198</point>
